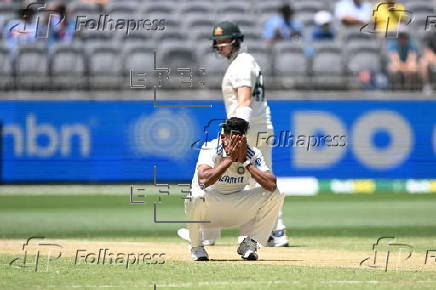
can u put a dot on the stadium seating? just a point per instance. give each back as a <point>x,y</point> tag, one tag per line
<point>290,65</point>
<point>188,25</point>
<point>328,67</point>
<point>105,68</point>
<point>32,67</point>
<point>360,40</point>
<point>136,60</point>
<point>68,67</point>
<point>199,9</point>
<point>363,59</point>
<point>163,8</point>
<point>181,62</point>
<point>83,8</point>
<point>92,39</point>
<point>215,67</point>
<point>6,69</point>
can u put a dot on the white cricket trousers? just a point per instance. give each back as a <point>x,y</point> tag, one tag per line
<point>256,208</point>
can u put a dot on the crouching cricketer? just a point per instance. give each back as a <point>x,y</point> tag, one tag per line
<point>223,169</point>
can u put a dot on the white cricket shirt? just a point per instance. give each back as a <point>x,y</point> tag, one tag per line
<point>235,178</point>
<point>243,71</point>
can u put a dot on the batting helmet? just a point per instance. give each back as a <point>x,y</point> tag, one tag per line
<point>226,29</point>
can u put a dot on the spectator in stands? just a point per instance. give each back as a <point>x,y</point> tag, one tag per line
<point>353,12</point>
<point>402,58</point>
<point>284,26</point>
<point>20,31</point>
<point>387,15</point>
<point>428,61</point>
<point>61,28</point>
<point>323,29</point>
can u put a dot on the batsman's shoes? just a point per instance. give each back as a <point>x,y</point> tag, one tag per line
<point>247,249</point>
<point>199,254</point>
<point>184,234</point>
<point>278,239</point>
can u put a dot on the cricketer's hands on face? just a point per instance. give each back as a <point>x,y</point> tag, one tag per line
<point>242,156</point>
<point>231,146</point>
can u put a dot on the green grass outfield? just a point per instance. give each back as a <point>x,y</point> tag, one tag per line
<point>327,223</point>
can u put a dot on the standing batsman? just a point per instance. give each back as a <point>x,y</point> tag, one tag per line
<point>220,198</point>
<point>244,97</point>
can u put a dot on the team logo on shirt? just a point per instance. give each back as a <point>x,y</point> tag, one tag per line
<point>230,179</point>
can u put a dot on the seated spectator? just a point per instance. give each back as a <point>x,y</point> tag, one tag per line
<point>387,15</point>
<point>20,31</point>
<point>284,26</point>
<point>323,29</point>
<point>428,60</point>
<point>61,27</point>
<point>353,12</point>
<point>402,53</point>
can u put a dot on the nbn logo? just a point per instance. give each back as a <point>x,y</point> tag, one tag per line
<point>26,141</point>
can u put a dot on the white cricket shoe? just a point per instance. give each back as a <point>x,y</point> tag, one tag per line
<point>199,254</point>
<point>278,239</point>
<point>247,249</point>
<point>184,234</point>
